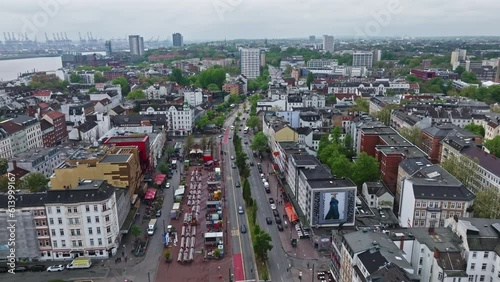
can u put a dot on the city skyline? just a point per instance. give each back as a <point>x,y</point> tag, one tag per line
<point>237,19</point>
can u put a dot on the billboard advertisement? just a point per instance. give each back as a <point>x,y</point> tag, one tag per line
<point>333,206</point>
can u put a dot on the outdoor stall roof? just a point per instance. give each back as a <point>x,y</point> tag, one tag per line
<point>213,234</point>
<point>159,178</point>
<point>150,194</point>
<point>176,206</point>
<point>180,191</point>
<point>292,216</point>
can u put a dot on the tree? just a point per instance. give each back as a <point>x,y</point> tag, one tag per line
<point>136,231</point>
<point>310,79</point>
<point>99,78</point>
<point>4,183</point>
<point>460,70</point>
<point>215,76</point>
<point>136,95</point>
<point>411,78</point>
<point>123,83</point>
<point>365,169</point>
<point>213,87</point>
<point>475,128</point>
<point>361,105</point>
<point>463,169</point>
<point>469,77</point>
<point>35,182</point>
<point>384,115</point>
<point>493,145</point>
<point>203,143</point>
<point>487,203</point>
<point>253,121</point>
<point>4,165</point>
<point>202,122</point>
<point>189,144</point>
<point>178,77</point>
<point>74,78</point>
<point>412,134</point>
<point>163,168</point>
<point>260,142</point>
<point>219,121</point>
<point>247,192</point>
<point>261,243</point>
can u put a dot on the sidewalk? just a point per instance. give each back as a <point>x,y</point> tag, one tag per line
<point>304,249</point>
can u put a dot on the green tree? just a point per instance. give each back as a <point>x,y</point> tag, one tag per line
<point>462,168</point>
<point>4,183</point>
<point>178,77</point>
<point>136,231</point>
<point>4,165</point>
<point>384,115</point>
<point>189,143</point>
<point>219,121</point>
<point>260,142</point>
<point>469,92</point>
<point>136,95</point>
<point>215,76</point>
<point>361,105</point>
<point>35,182</point>
<point>340,165</point>
<point>487,203</point>
<point>460,70</point>
<point>74,78</point>
<point>99,78</point>
<point>163,167</point>
<point>411,78</point>
<point>475,128</point>
<point>124,85</point>
<point>213,87</point>
<point>469,77</point>
<point>253,121</point>
<point>493,145</point>
<point>365,169</point>
<point>247,192</point>
<point>261,243</point>
<point>310,79</point>
<point>412,134</point>
<point>202,122</point>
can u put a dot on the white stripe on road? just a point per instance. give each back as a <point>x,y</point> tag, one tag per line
<point>278,265</point>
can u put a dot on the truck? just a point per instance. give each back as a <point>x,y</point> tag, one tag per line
<point>80,263</point>
<point>152,227</point>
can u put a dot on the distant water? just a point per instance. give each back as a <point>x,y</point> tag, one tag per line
<point>10,69</point>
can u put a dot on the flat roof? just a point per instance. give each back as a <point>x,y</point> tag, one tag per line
<point>114,158</point>
<point>137,138</point>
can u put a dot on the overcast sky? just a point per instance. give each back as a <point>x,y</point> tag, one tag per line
<point>232,19</point>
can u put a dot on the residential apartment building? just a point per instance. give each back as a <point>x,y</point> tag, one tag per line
<point>57,120</point>
<point>328,43</point>
<point>250,62</point>
<point>61,225</point>
<point>480,238</point>
<point>156,91</point>
<point>484,167</point>
<point>5,144</point>
<point>362,59</point>
<point>377,195</point>
<point>407,168</point>
<point>194,98</point>
<point>120,166</point>
<point>177,40</point>
<point>25,133</point>
<point>430,196</point>
<point>136,45</point>
<point>310,119</point>
<point>322,63</point>
<point>42,160</point>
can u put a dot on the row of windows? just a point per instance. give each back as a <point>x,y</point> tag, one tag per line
<point>75,209</point>
<point>444,214</point>
<point>437,204</point>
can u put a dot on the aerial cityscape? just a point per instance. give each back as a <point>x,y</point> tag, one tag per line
<point>226,140</point>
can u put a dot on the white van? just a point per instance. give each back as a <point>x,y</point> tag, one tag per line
<point>266,185</point>
<point>152,227</point>
<point>232,127</point>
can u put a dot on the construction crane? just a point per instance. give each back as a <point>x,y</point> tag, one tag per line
<point>13,37</point>
<point>47,38</point>
<point>26,36</point>
<point>5,36</point>
<point>54,35</point>
<point>158,39</point>
<point>66,36</point>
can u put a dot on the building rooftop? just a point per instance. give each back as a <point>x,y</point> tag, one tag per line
<point>376,188</point>
<point>36,153</point>
<point>114,158</point>
<point>305,160</point>
<point>483,234</point>
<point>88,193</point>
<point>406,151</point>
<point>412,165</point>
<point>487,161</point>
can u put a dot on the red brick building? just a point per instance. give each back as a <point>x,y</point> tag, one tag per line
<point>60,132</point>
<point>142,143</point>
<point>48,133</point>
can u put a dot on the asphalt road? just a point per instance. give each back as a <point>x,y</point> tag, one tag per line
<point>240,243</point>
<point>278,260</point>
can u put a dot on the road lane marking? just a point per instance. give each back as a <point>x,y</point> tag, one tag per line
<point>235,232</point>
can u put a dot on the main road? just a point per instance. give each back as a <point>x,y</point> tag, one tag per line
<point>241,243</point>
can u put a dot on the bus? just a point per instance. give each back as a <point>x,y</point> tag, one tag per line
<point>245,130</point>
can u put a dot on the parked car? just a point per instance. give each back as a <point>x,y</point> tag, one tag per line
<point>167,185</point>
<point>280,227</point>
<point>276,213</point>
<point>277,219</point>
<point>238,185</point>
<point>246,142</point>
<point>243,228</point>
<point>37,268</point>
<point>158,213</point>
<point>271,201</point>
<point>251,164</point>
<point>273,206</point>
<point>232,157</point>
<point>241,210</point>
<point>20,269</point>
<point>55,268</point>
<point>268,191</point>
<point>269,220</point>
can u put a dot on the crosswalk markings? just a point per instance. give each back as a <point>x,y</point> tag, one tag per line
<point>235,232</point>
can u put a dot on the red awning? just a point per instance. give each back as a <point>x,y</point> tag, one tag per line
<point>276,153</point>
<point>150,194</point>
<point>207,158</point>
<point>159,178</point>
<point>292,216</point>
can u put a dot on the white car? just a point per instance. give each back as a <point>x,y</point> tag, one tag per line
<point>232,157</point>
<point>168,185</point>
<point>55,268</point>
<point>273,206</point>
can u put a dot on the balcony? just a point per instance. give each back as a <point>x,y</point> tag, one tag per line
<point>434,209</point>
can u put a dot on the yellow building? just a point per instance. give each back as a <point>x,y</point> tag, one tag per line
<point>120,166</point>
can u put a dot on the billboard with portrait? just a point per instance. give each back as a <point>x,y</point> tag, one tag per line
<point>333,206</point>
